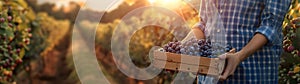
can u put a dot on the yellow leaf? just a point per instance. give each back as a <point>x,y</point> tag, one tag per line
<point>296,69</point>
<point>22,53</point>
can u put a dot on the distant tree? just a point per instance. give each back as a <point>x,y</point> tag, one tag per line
<point>123,9</point>
<point>32,3</point>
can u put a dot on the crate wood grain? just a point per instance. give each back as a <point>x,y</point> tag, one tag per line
<point>207,66</point>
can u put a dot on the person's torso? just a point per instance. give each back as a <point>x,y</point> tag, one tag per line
<point>241,18</point>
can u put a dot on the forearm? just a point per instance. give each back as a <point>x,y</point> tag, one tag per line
<point>194,33</point>
<point>257,42</point>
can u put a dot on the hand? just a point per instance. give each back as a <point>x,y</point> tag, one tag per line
<point>233,60</point>
<point>189,36</point>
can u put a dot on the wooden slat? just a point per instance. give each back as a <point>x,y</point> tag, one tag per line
<point>172,57</point>
<point>186,67</point>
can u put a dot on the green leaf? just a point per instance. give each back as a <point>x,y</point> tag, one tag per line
<point>22,53</point>
<point>2,31</point>
<point>6,55</point>
<point>296,42</point>
<point>10,33</point>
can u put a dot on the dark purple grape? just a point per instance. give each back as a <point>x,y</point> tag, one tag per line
<point>200,54</point>
<point>2,19</point>
<point>165,47</point>
<point>190,53</point>
<point>170,44</point>
<point>290,48</point>
<point>169,48</point>
<point>177,48</point>
<point>182,50</point>
<point>180,46</point>
<point>178,43</point>
<point>173,46</point>
<point>192,48</point>
<point>200,42</point>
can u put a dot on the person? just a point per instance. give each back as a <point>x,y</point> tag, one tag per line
<point>254,28</point>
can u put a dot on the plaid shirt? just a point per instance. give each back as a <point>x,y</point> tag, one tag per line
<point>242,19</point>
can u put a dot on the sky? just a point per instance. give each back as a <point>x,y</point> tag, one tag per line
<point>99,5</point>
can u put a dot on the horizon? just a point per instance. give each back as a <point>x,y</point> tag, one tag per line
<point>93,6</point>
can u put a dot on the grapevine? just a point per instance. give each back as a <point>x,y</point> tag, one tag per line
<point>14,38</point>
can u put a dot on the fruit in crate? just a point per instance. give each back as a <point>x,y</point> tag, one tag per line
<point>196,47</point>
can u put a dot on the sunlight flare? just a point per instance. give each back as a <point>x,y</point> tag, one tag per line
<point>166,3</point>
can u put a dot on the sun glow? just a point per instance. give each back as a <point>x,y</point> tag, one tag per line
<point>130,2</point>
<point>152,1</point>
<point>166,3</point>
<point>62,3</point>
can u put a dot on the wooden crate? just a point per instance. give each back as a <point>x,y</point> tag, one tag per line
<point>207,66</point>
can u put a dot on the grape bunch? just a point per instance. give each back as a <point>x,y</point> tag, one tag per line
<point>196,47</point>
<point>173,47</point>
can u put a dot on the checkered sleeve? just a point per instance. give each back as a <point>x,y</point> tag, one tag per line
<point>271,19</point>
